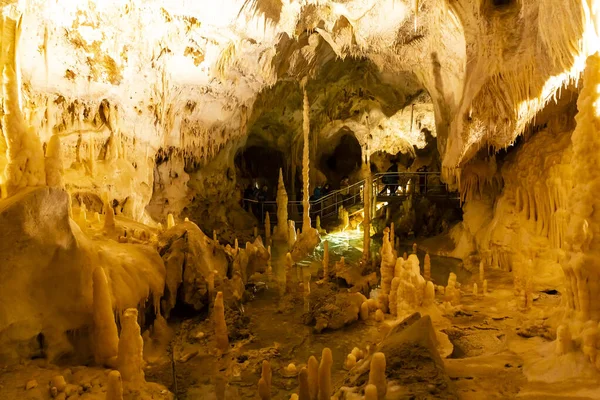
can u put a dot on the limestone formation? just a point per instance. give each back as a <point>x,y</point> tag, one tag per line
<point>303,387</point>
<point>377,376</point>
<point>325,388</point>
<point>106,339</point>
<point>220,326</point>
<point>313,377</point>
<point>130,359</point>
<point>281,230</point>
<point>267,228</point>
<point>114,389</point>
<point>427,267</point>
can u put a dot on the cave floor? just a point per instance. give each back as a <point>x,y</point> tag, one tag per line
<point>499,351</point>
<point>490,359</point>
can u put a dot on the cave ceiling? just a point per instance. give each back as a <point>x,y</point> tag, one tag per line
<point>194,76</point>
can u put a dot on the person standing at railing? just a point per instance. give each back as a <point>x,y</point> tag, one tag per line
<point>422,179</point>
<point>390,179</point>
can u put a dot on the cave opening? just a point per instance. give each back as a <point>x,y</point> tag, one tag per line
<point>344,160</point>
<point>259,164</point>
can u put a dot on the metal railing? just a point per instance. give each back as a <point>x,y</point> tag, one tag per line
<point>384,184</point>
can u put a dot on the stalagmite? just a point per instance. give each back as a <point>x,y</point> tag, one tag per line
<point>325,374</point>
<point>24,165</point>
<point>427,267</point>
<point>291,234</point>
<point>109,219</point>
<point>582,265</point>
<point>393,299</point>
<point>170,221</point>
<point>405,256</point>
<point>377,374</point>
<point>564,343</point>
<point>269,267</point>
<point>367,210</point>
<point>264,384</point>
<point>114,389</point>
<point>264,391</point>
<point>266,373</point>
<point>379,315</point>
<point>267,229</point>
<point>106,338</point>
<point>481,271</point>
<point>371,392</point>
<point>429,296</point>
<point>364,311</point>
<point>303,387</point>
<point>306,164</point>
<point>215,238</point>
<point>475,293</point>
<point>485,287</point>
<point>186,219</point>
<point>281,230</point>
<point>350,361</point>
<point>326,260</point>
<point>54,163</point>
<point>388,263</point>
<point>220,326</point>
<point>313,377</point>
<point>414,248</point>
<point>131,346</point>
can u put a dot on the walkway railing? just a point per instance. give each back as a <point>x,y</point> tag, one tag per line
<point>384,185</point>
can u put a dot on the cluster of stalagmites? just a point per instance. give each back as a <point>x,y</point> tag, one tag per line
<point>314,380</point>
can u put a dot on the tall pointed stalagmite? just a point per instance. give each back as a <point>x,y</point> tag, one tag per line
<point>221,335</point>
<point>281,230</point>
<point>267,229</point>
<point>427,267</point>
<point>106,337</point>
<point>367,211</point>
<point>306,164</point>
